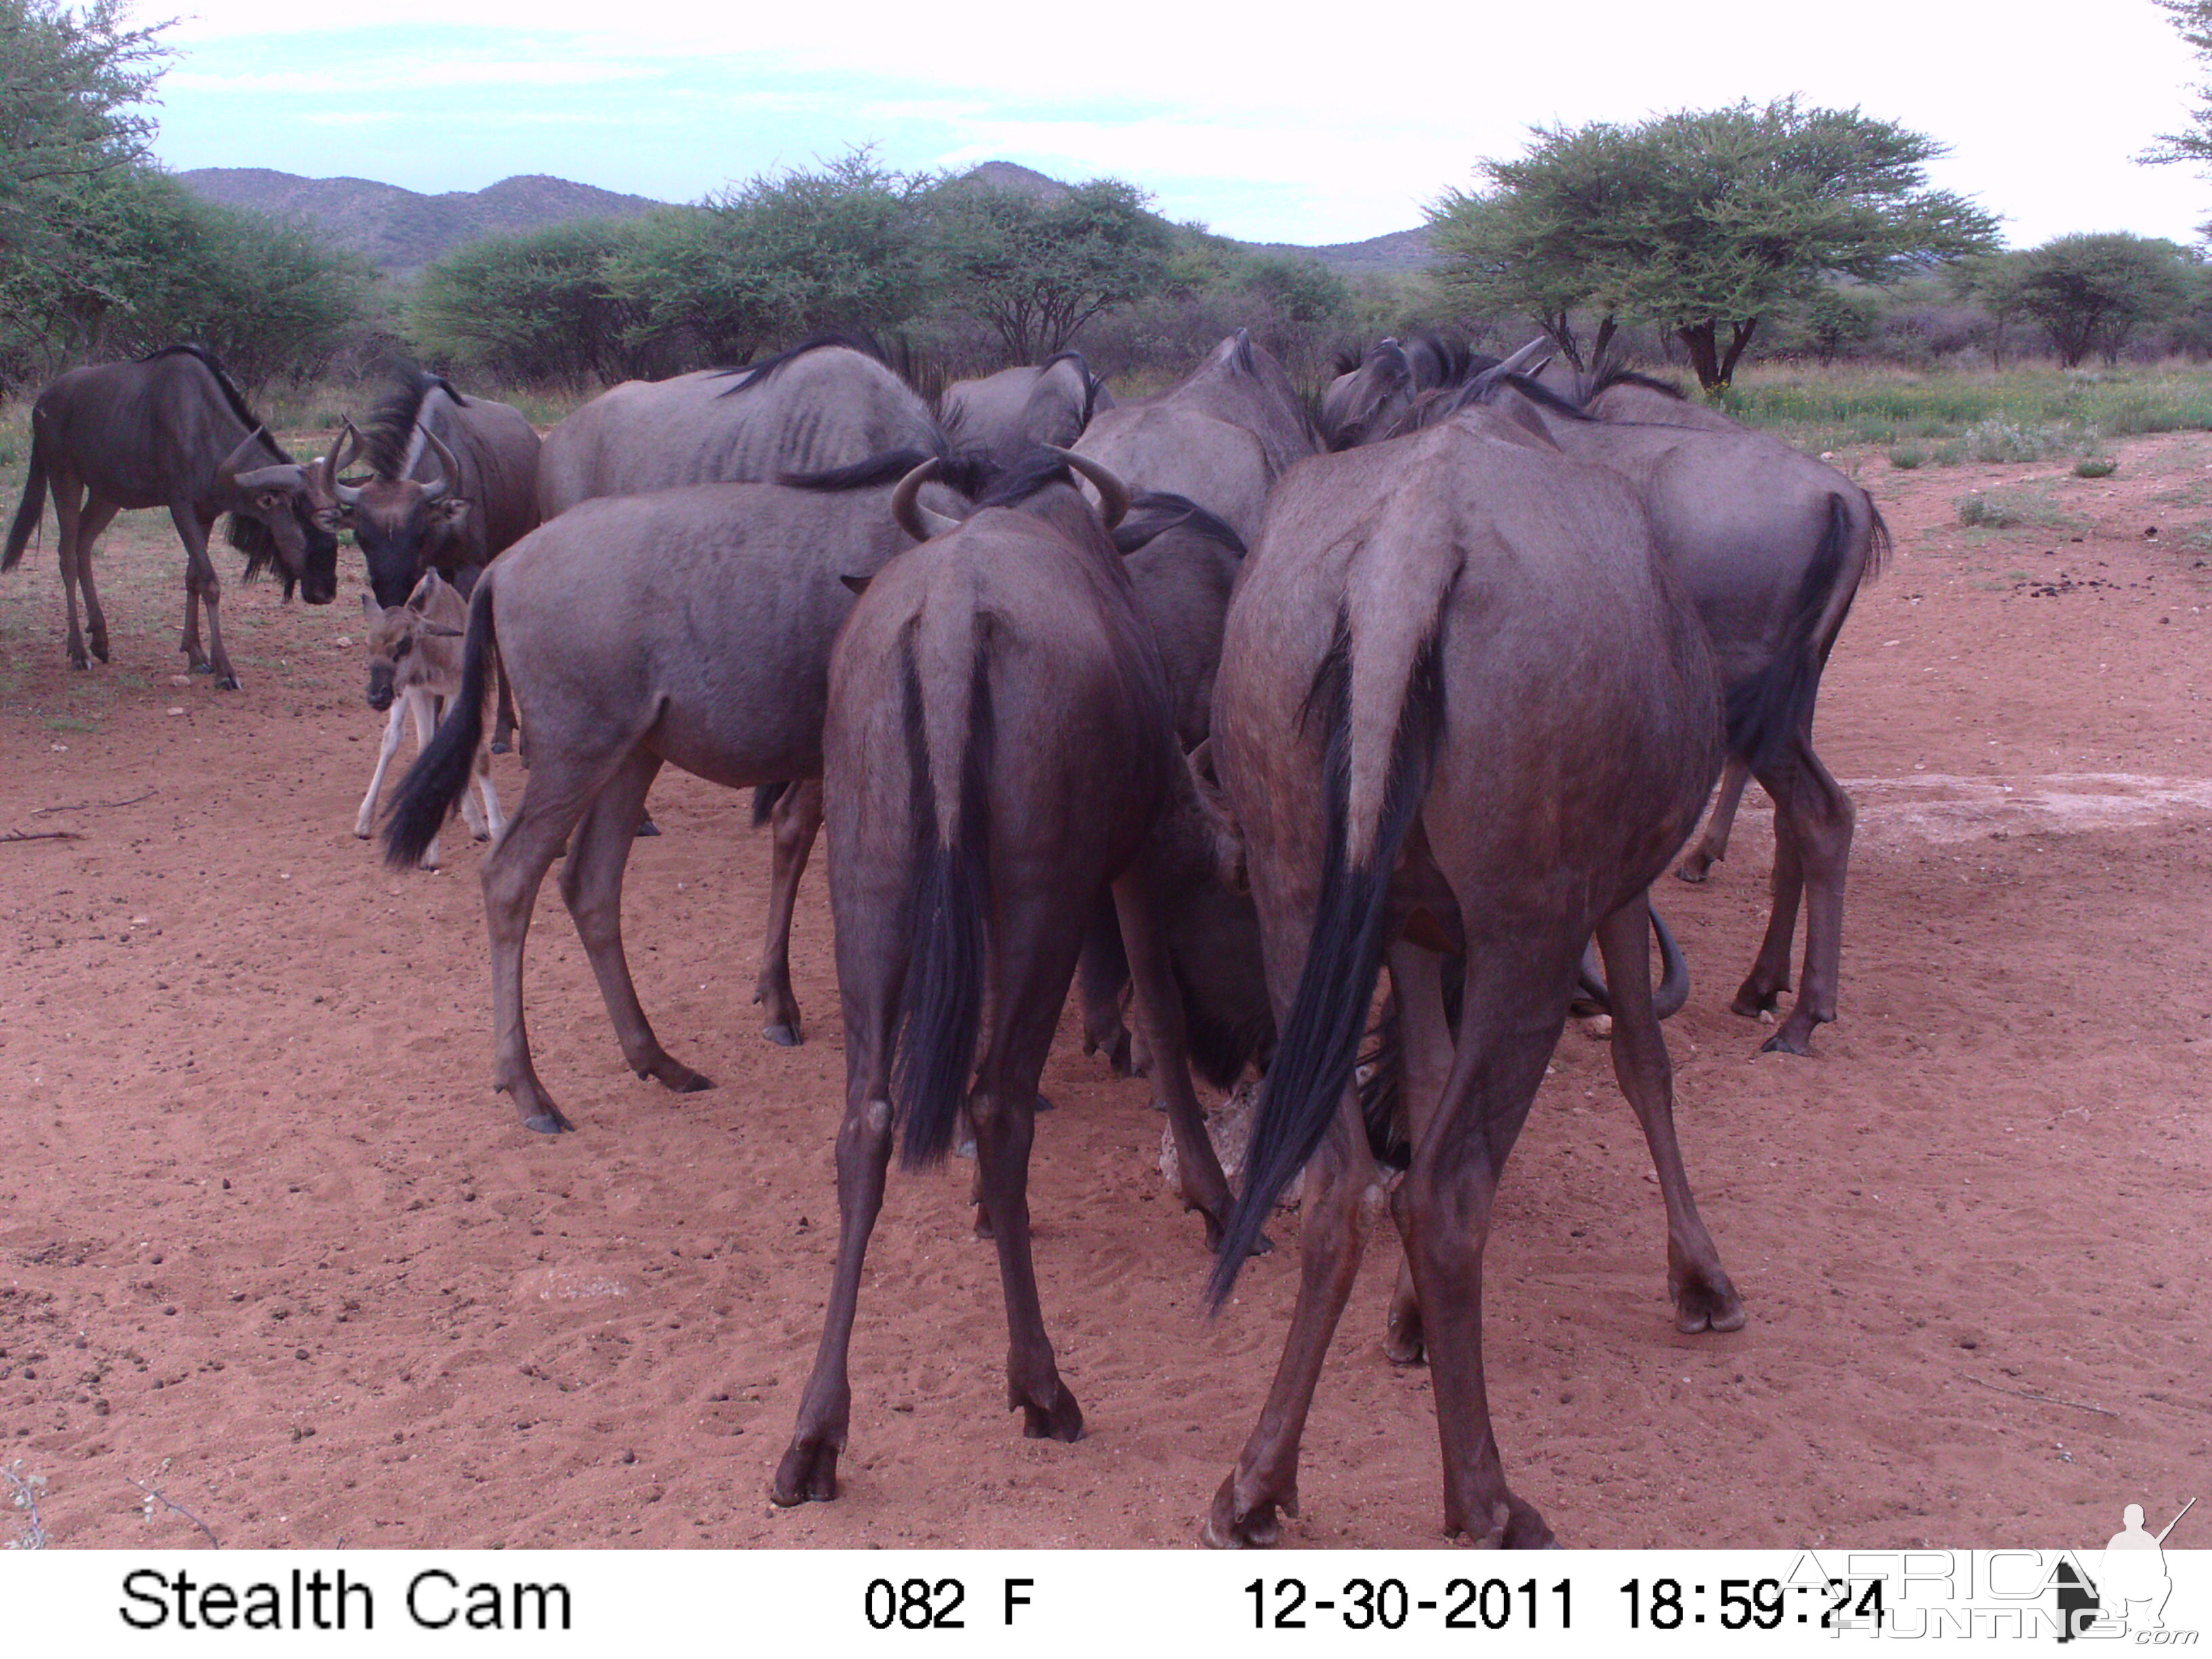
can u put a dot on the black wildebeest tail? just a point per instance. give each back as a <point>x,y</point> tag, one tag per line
<point>949,747</point>
<point>441,772</point>
<point>33,503</point>
<point>1320,1040</point>
<point>1766,709</point>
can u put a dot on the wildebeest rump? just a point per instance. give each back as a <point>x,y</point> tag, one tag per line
<point>690,627</point>
<point>1455,685</point>
<point>452,484</point>
<point>824,403</point>
<point>167,431</point>
<point>1001,417</point>
<point>999,748</point>
<point>1771,545</point>
<point>1220,437</point>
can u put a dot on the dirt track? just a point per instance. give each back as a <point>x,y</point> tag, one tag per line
<point>269,1243</point>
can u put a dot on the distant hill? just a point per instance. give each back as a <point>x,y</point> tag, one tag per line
<point>400,231</point>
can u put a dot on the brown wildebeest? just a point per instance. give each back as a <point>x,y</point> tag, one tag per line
<point>415,669</point>
<point>1771,545</point>
<point>168,430</point>
<point>828,402</point>
<point>689,627</point>
<point>999,748</point>
<point>1457,686</point>
<point>1220,437</point>
<point>1002,417</point>
<point>452,484</point>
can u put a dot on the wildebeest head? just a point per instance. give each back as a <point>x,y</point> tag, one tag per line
<point>272,520</point>
<point>397,632</point>
<point>400,524</point>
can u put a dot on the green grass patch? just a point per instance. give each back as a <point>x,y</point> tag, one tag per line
<point>2095,467</point>
<point>2024,414</point>
<point>2011,509</point>
<point>1907,459</point>
<point>69,723</point>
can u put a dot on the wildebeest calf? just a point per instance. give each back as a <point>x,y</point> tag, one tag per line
<point>415,667</point>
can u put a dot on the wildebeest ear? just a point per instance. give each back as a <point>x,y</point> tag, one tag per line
<point>425,591</point>
<point>858,584</point>
<point>438,630</point>
<point>369,608</point>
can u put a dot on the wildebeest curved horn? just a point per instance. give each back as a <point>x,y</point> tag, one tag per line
<point>1113,494</point>
<point>347,445</point>
<point>1527,361</point>
<point>907,510</point>
<point>449,469</point>
<point>240,456</point>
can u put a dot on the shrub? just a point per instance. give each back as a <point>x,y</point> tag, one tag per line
<point>2095,467</point>
<point>1905,460</point>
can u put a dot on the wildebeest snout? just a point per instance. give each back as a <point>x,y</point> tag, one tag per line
<point>380,686</point>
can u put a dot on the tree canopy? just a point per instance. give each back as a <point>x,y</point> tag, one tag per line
<point>1700,221</point>
<point>2192,21</point>
<point>2091,293</point>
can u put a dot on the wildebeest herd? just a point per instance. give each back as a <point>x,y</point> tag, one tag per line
<point>1217,698</point>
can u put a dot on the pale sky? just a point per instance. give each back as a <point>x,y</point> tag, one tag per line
<point>1270,124</point>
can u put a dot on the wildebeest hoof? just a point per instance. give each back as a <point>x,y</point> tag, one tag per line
<point>1708,1304</point>
<point>230,683</point>
<point>1694,869</point>
<point>1060,1420</point>
<point>1750,1003</point>
<point>100,648</point>
<point>808,1474</point>
<point>783,1036</point>
<point>1225,1529</point>
<point>676,1076</point>
<point>1401,1340</point>
<point>200,666</point>
<point>1788,1041</point>
<point>1042,1103</point>
<point>501,748</point>
<point>646,827</point>
<point>1513,1525</point>
<point>548,1122</point>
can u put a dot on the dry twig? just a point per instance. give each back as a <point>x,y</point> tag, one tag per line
<point>40,835</point>
<point>92,805</point>
<point>155,1495</point>
<point>2047,1399</point>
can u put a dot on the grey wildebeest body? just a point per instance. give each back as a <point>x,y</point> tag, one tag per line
<point>415,669</point>
<point>689,627</point>
<point>1221,437</point>
<point>820,405</point>
<point>999,748</point>
<point>1001,417</point>
<point>168,430</point>
<point>453,484</point>
<point>1455,686</point>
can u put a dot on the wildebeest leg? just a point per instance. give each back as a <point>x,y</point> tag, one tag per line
<point>503,724</point>
<point>591,886</point>
<point>1768,978</point>
<point>494,821</point>
<point>68,514</point>
<point>564,785</point>
<point>1514,1004</point>
<point>1425,1048</point>
<point>1102,972</point>
<point>1035,959</point>
<point>199,575</point>
<point>1713,846</point>
<point>797,821</point>
<point>1821,818</point>
<point>364,820</point>
<point>97,516</point>
<point>869,981</point>
<point>1160,1017</point>
<point>1342,1198</point>
<point>1703,1298</point>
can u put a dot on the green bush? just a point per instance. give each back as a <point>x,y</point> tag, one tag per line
<point>2009,509</point>
<point>2095,467</point>
<point>1905,460</point>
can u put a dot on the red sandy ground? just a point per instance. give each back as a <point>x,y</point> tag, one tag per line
<point>269,1243</point>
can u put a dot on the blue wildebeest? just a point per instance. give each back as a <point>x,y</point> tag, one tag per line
<point>1771,545</point>
<point>415,669</point>
<point>1002,417</point>
<point>1459,700</point>
<point>1000,748</point>
<point>168,430</point>
<point>826,403</point>
<point>452,484</point>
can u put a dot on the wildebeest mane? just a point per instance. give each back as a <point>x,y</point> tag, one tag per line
<point>252,537</point>
<point>966,475</point>
<point>232,395</point>
<point>1619,374</point>
<point>388,434</point>
<point>1036,470</point>
<point>1155,512</point>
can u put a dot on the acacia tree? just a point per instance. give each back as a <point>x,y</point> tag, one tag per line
<point>2192,21</point>
<point>1701,222</point>
<point>1035,271</point>
<point>2091,293</point>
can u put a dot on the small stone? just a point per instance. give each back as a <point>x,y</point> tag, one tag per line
<point>176,711</point>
